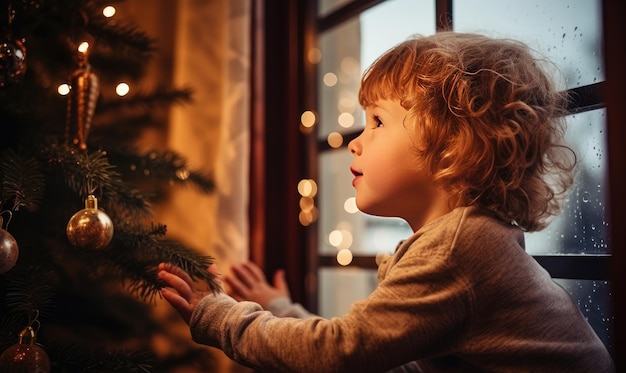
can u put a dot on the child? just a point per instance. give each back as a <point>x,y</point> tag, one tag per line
<point>463,141</point>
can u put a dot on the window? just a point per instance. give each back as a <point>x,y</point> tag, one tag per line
<point>573,248</point>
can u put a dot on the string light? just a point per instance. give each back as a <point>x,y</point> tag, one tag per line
<point>334,139</point>
<point>308,119</point>
<point>63,89</point>
<point>307,188</point>
<point>350,206</point>
<point>330,79</point>
<point>83,47</point>
<point>344,257</point>
<point>345,120</point>
<point>108,11</point>
<point>122,89</point>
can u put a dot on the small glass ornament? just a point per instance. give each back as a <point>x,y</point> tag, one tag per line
<point>9,251</point>
<point>26,355</point>
<point>12,61</point>
<point>82,100</point>
<point>90,228</point>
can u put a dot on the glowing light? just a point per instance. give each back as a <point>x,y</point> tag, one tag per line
<point>344,257</point>
<point>308,217</point>
<point>345,120</point>
<point>335,237</point>
<point>330,79</point>
<point>314,55</point>
<point>346,240</point>
<point>334,139</point>
<point>108,11</point>
<point>182,174</point>
<point>347,103</point>
<point>307,188</point>
<point>308,119</point>
<point>63,89</point>
<point>350,205</point>
<point>83,47</point>
<point>350,65</point>
<point>306,204</point>
<point>122,89</point>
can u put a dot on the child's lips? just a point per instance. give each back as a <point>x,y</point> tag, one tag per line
<point>357,176</point>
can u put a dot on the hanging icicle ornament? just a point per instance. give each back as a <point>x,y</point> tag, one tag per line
<point>90,228</point>
<point>12,50</point>
<point>9,251</point>
<point>26,355</point>
<point>81,102</point>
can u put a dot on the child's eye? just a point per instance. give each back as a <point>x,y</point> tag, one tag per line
<point>377,121</point>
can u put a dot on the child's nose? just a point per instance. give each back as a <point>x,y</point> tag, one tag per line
<point>355,146</point>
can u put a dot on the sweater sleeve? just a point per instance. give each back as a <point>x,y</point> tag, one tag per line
<point>284,307</point>
<point>418,310</point>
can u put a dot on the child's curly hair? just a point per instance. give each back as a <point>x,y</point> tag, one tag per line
<point>485,118</point>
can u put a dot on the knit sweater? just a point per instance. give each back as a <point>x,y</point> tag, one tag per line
<point>459,295</point>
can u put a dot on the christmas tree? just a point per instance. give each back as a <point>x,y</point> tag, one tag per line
<point>78,247</point>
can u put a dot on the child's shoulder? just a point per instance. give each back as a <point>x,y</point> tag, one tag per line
<point>468,229</point>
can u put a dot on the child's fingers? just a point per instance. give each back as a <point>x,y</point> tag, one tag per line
<point>176,270</point>
<point>179,303</point>
<point>238,288</point>
<point>280,282</point>
<point>254,271</point>
<point>183,287</point>
<point>244,275</point>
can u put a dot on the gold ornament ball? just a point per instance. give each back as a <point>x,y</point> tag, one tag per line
<point>90,228</point>
<point>9,251</point>
<point>25,356</point>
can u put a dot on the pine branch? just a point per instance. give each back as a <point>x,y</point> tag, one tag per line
<point>168,167</point>
<point>125,40</point>
<point>157,98</point>
<point>22,180</point>
<point>75,359</point>
<point>27,289</point>
<point>84,172</point>
<point>137,251</point>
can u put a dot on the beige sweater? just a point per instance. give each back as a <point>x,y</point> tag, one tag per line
<point>460,295</point>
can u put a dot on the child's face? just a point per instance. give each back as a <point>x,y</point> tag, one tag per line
<point>389,178</point>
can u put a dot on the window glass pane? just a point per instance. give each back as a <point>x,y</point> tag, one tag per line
<point>328,6</point>
<point>342,286</point>
<point>581,228</point>
<point>567,32</point>
<point>594,299</point>
<point>351,47</point>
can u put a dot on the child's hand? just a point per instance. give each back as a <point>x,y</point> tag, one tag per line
<point>184,296</point>
<point>247,282</point>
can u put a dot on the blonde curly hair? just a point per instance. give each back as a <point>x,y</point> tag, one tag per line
<point>484,117</point>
